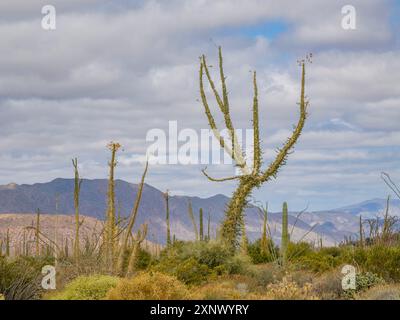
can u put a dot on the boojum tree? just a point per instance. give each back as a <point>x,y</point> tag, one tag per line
<point>250,177</point>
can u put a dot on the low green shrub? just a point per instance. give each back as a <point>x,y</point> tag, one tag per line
<point>20,278</point>
<point>258,256</point>
<point>364,281</point>
<point>149,286</point>
<point>93,287</point>
<point>194,262</point>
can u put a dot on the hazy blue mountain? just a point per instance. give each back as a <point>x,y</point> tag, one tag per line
<point>331,225</point>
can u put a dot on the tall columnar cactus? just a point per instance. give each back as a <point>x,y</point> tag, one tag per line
<point>77,189</point>
<point>166,195</point>
<point>201,229</point>
<point>110,233</point>
<point>249,178</point>
<point>131,223</point>
<point>193,220</point>
<point>285,234</point>
<point>37,233</point>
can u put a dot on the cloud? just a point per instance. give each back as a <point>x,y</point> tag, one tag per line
<point>114,70</point>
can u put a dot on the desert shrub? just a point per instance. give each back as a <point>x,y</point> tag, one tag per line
<point>237,264</point>
<point>364,281</point>
<point>93,287</point>
<point>193,262</point>
<point>21,277</point>
<point>143,259</point>
<point>191,271</point>
<point>381,292</point>
<point>296,251</point>
<point>220,290</point>
<point>266,274</point>
<point>328,286</point>
<point>381,260</point>
<point>287,289</point>
<point>258,256</point>
<point>149,286</point>
<point>319,261</point>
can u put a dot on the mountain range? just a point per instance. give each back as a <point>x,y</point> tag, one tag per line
<point>332,226</point>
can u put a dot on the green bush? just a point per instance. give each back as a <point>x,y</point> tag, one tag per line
<point>149,286</point>
<point>364,281</point>
<point>256,254</point>
<point>143,260</point>
<point>20,278</point>
<point>296,251</point>
<point>381,260</point>
<point>93,287</point>
<point>191,271</point>
<point>319,261</point>
<point>194,262</point>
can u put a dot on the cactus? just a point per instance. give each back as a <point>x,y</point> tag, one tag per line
<point>131,223</point>
<point>285,234</point>
<point>249,178</point>
<point>201,231</point>
<point>166,195</point>
<point>77,188</point>
<point>192,219</point>
<point>110,218</point>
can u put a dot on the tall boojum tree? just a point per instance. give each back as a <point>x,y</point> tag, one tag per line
<point>250,178</point>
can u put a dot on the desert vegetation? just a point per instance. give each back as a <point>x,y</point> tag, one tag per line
<point>110,261</point>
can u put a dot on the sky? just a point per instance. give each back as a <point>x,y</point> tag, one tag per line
<point>113,70</point>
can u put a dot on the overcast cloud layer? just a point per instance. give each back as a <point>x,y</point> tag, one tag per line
<point>112,70</point>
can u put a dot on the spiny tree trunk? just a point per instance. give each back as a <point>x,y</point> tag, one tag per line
<point>166,195</point>
<point>37,233</point>
<point>249,178</point>
<point>131,223</point>
<point>285,234</point>
<point>110,221</point>
<point>77,188</point>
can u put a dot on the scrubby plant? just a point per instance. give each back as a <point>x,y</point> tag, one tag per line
<point>191,271</point>
<point>249,178</point>
<point>94,287</point>
<point>381,292</point>
<point>149,286</point>
<point>193,262</point>
<point>287,289</point>
<point>20,277</point>
<point>328,286</point>
<point>258,254</point>
<point>379,259</point>
<point>219,290</point>
<point>364,281</point>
